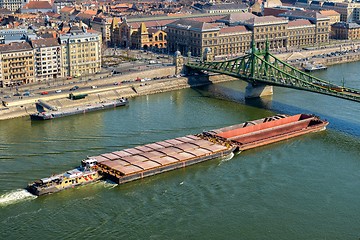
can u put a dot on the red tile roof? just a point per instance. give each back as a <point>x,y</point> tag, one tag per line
<point>234,29</point>
<point>67,9</point>
<point>38,5</point>
<point>329,12</point>
<point>299,22</point>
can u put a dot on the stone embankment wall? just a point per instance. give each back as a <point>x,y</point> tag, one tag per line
<point>326,60</point>
<point>25,107</point>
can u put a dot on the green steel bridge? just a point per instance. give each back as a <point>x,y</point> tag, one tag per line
<point>260,68</point>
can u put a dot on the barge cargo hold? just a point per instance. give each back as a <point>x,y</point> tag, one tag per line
<point>135,163</point>
<point>78,110</point>
<point>264,131</point>
<point>143,161</point>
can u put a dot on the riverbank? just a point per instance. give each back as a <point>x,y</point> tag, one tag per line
<point>24,107</point>
<point>326,56</point>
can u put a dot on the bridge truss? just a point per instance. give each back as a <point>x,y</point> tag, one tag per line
<point>263,68</point>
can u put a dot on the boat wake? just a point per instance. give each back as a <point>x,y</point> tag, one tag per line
<point>15,196</point>
<point>109,184</point>
<point>227,158</point>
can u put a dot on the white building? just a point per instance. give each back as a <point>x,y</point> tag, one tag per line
<point>47,58</point>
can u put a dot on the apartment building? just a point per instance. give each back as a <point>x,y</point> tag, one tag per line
<point>343,30</point>
<point>81,52</point>
<point>47,58</point>
<point>17,64</point>
<point>12,5</point>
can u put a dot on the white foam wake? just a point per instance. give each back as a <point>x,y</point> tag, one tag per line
<point>227,158</point>
<point>15,196</point>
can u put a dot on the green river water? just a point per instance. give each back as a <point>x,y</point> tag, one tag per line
<point>304,188</point>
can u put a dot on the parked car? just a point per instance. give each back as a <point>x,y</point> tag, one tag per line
<point>44,93</point>
<point>74,88</point>
<point>116,83</point>
<point>93,87</point>
<point>26,94</point>
<point>58,91</point>
<point>17,94</point>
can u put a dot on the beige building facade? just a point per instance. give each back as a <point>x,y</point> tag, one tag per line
<point>81,53</point>
<point>17,64</point>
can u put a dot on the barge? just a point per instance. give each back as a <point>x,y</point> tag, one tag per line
<point>143,161</point>
<point>268,130</point>
<point>46,115</point>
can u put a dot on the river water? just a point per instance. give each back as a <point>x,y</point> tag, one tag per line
<point>303,188</point>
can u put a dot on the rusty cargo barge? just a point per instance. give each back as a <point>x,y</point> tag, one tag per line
<point>143,161</point>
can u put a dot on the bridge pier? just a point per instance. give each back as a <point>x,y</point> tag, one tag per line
<point>252,91</point>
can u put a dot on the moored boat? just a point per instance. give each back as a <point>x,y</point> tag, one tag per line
<point>314,67</point>
<point>46,115</point>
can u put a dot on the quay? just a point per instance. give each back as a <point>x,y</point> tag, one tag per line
<point>143,161</point>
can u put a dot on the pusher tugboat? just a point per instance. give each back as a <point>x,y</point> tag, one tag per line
<point>86,173</point>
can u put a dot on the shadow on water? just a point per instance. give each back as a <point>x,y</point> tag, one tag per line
<point>267,103</point>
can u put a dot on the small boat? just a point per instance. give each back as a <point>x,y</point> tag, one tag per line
<point>313,67</point>
<point>46,115</point>
<point>86,173</point>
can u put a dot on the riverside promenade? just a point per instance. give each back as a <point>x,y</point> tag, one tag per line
<point>106,90</point>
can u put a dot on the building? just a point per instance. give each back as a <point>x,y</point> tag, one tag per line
<point>47,58</point>
<point>233,40</point>
<point>103,25</point>
<point>36,7</point>
<point>186,35</point>
<point>151,38</point>
<point>349,10</point>
<point>81,52</point>
<point>224,8</point>
<point>233,34</point>
<point>12,5</point>
<point>17,64</point>
<point>17,35</point>
<point>273,29</point>
<point>348,31</point>
<point>123,32</point>
<point>60,4</point>
<point>321,22</point>
<point>301,32</point>
<point>66,13</point>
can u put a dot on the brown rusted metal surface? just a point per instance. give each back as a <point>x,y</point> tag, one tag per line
<point>260,126</point>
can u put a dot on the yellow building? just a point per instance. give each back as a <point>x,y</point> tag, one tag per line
<point>233,40</point>
<point>103,24</point>
<point>269,28</point>
<point>17,64</point>
<point>301,32</point>
<point>145,38</point>
<point>81,53</point>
